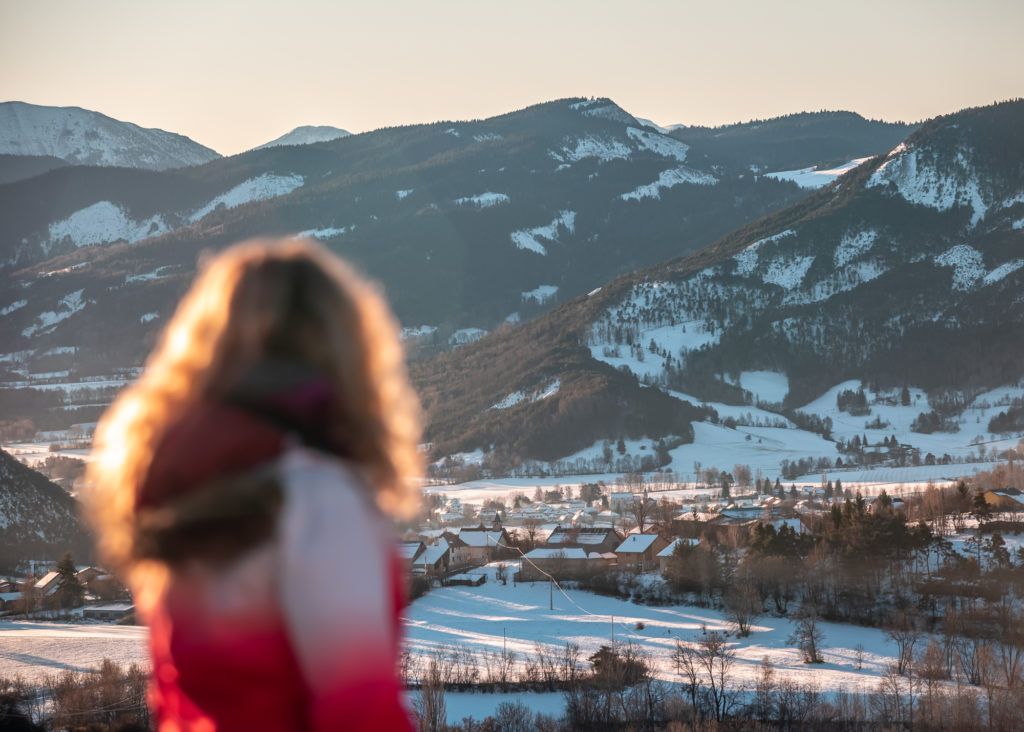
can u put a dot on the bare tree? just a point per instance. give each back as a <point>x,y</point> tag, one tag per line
<point>808,636</point>
<point>741,474</point>
<point>716,659</point>
<point>641,509</point>
<point>905,634</point>
<point>433,716</point>
<point>764,692</point>
<point>743,607</point>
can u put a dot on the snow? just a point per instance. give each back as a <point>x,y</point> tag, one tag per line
<point>403,193</point>
<point>528,238</point>
<point>517,617</point>
<point>972,426</point>
<point>100,223</point>
<point>486,137</point>
<point>148,317</point>
<point>1018,224</point>
<point>418,331</point>
<point>555,553</point>
<point>636,543</point>
<point>912,174</point>
<point>718,446</point>
<point>668,179</point>
<point>603,108</point>
<point>967,264</point>
<point>306,135</point>
<point>814,178</point>
<point>787,272</point>
<point>741,413</point>
<point>483,200</point>
<point>260,188</point>
<point>659,144</point>
<point>1002,271</point>
<point>592,147</point>
<point>746,260</point>
<point>510,401</point>
<point>852,246</point>
<point>840,280</point>
<point>89,138</point>
<point>467,335</point>
<point>541,293</point>
<point>452,131</point>
<point>148,276</point>
<point>766,386</point>
<point>323,234</point>
<point>68,306</point>
<point>542,392</point>
<point>689,335</point>
<point>14,306</point>
<point>35,650</point>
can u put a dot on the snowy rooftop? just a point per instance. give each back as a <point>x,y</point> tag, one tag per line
<point>433,553</point>
<point>476,538</point>
<point>573,553</point>
<point>667,551</point>
<point>636,543</point>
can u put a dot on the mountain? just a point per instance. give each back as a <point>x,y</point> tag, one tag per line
<point>468,225</point>
<point>795,141</point>
<point>906,271</point>
<point>38,520</point>
<point>306,135</point>
<point>19,167</point>
<point>81,137</point>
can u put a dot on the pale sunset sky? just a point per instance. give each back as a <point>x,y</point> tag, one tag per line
<point>234,75</point>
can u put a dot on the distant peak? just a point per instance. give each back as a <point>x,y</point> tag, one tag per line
<point>306,135</point>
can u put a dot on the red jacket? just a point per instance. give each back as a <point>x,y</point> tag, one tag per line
<point>300,632</point>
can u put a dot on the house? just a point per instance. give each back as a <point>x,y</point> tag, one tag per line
<point>599,540</point>
<point>48,584</point>
<point>111,612</point>
<point>1007,499</point>
<point>639,552</point>
<point>86,575</point>
<point>408,551</point>
<point>7,600</point>
<point>561,564</point>
<point>434,560</point>
<point>666,553</point>
<point>459,553</point>
<point>484,545</point>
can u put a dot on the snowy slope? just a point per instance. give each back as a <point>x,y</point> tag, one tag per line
<point>89,138</point>
<point>306,135</point>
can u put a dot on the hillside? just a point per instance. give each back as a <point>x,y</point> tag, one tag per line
<point>82,137</point>
<point>903,273</point>
<point>38,519</point>
<point>306,135</point>
<point>466,224</point>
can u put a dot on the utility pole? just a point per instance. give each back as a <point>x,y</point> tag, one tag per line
<point>613,631</point>
<point>551,594</point>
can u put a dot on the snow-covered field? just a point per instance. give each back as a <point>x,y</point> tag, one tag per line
<point>35,650</point>
<point>518,617</point>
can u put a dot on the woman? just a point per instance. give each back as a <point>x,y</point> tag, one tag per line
<point>241,485</point>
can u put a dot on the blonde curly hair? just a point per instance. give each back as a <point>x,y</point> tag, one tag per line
<point>290,298</point>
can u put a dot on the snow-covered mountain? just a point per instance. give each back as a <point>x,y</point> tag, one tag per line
<point>38,519</point>
<point>306,135</point>
<point>468,226</point>
<point>905,272</point>
<point>82,137</point>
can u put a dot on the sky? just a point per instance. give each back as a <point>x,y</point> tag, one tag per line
<point>235,75</point>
